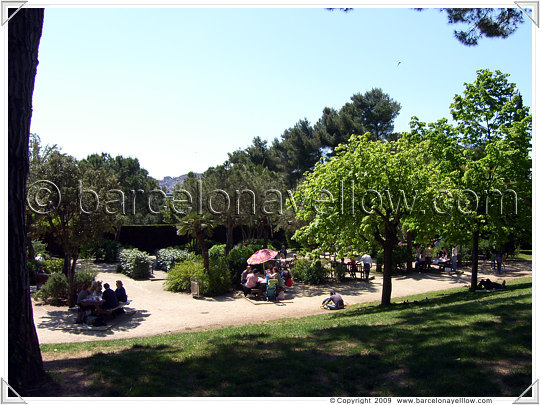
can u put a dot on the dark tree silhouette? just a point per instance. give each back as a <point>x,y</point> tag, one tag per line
<point>25,366</point>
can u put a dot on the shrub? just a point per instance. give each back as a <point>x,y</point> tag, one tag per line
<point>55,289</point>
<point>53,266</point>
<point>309,272</point>
<point>236,261</point>
<point>83,276</point>
<point>166,258</point>
<point>134,263</point>
<point>183,273</point>
<point>219,276</point>
<point>341,271</point>
<point>40,248</point>
<point>214,282</point>
<point>101,250</point>
<point>216,251</point>
<point>33,266</point>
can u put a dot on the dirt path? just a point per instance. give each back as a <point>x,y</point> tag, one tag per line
<point>159,311</point>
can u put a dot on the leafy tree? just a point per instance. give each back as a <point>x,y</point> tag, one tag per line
<point>484,22</point>
<point>481,22</point>
<point>487,152</point>
<point>134,182</point>
<point>198,226</point>
<point>25,366</point>
<point>298,151</point>
<point>259,154</point>
<point>372,112</point>
<point>372,189</point>
<point>85,210</point>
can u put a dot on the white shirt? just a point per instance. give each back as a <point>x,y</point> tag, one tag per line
<point>454,251</point>
<point>366,259</point>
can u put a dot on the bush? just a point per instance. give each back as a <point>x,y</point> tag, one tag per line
<point>83,276</point>
<point>40,248</point>
<point>134,263</point>
<point>341,271</point>
<point>217,281</point>
<point>102,250</point>
<point>219,276</point>
<point>216,251</point>
<point>55,289</point>
<point>53,266</point>
<point>236,261</point>
<point>309,272</point>
<point>183,273</point>
<point>166,258</point>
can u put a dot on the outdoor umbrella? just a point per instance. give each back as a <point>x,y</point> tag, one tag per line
<point>262,256</point>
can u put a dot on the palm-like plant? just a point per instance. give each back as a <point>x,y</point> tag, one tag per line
<point>198,226</point>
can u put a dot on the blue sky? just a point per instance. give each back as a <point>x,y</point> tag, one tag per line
<point>179,88</point>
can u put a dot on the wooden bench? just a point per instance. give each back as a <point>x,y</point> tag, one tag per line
<point>103,311</point>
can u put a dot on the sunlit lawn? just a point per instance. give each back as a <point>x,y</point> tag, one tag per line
<point>457,344</point>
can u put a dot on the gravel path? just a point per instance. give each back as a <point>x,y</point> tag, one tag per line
<point>159,311</point>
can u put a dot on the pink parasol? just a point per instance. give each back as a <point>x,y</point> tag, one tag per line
<point>262,256</point>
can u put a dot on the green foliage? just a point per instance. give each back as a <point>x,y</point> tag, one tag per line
<point>134,263</point>
<point>213,282</point>
<point>54,290</point>
<point>237,260</point>
<point>40,248</point>
<point>101,250</point>
<point>82,277</point>
<point>166,258</point>
<point>340,271</point>
<point>53,265</point>
<point>182,274</point>
<point>309,272</point>
<point>219,277</point>
<point>216,251</point>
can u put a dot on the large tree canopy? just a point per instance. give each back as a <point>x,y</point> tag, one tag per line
<point>365,193</point>
<point>480,22</point>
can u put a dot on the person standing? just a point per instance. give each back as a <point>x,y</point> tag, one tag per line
<point>499,259</point>
<point>366,259</point>
<point>454,258</point>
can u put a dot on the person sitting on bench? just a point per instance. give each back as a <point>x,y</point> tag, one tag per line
<point>110,300</point>
<point>120,292</point>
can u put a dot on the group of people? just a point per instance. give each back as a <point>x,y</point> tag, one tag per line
<point>251,279</point>
<point>424,257</point>
<point>365,259</point>
<point>91,296</point>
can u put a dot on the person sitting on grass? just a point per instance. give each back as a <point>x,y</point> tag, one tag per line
<point>333,302</point>
<point>120,292</point>
<point>490,285</point>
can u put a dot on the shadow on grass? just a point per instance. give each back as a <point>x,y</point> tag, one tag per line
<point>455,345</point>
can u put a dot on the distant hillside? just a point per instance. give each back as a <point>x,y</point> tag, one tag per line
<point>169,182</point>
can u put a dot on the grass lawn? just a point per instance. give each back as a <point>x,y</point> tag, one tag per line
<point>457,344</point>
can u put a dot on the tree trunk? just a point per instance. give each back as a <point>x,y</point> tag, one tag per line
<point>72,294</point>
<point>204,250</point>
<point>474,258</point>
<point>265,228</point>
<point>409,251</point>
<point>25,366</point>
<point>387,273</point>
<point>230,238</point>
